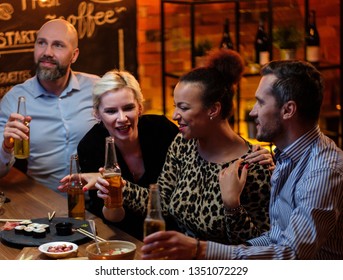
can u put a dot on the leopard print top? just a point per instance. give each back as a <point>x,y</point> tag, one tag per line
<point>190,193</point>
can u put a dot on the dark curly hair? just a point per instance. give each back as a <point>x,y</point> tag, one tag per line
<point>222,71</point>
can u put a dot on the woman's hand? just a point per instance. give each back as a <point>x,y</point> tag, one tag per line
<point>111,214</point>
<point>171,245</point>
<point>101,185</point>
<point>88,182</point>
<point>231,181</point>
<point>262,156</point>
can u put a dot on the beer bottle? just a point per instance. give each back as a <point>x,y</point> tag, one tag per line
<point>22,147</point>
<point>154,220</point>
<point>112,174</point>
<point>76,196</point>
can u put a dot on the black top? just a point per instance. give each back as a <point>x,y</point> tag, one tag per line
<point>155,135</point>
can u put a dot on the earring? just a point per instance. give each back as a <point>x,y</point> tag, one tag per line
<point>211,118</point>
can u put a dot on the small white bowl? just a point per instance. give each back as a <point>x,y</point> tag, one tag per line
<point>59,255</point>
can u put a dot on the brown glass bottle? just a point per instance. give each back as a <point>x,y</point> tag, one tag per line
<point>112,174</point>
<point>22,147</point>
<point>154,220</point>
<point>226,42</point>
<point>76,196</point>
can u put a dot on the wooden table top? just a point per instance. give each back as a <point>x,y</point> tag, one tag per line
<point>30,200</point>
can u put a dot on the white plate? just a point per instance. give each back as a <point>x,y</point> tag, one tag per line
<point>60,255</point>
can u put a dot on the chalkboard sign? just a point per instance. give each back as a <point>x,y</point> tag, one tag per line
<point>106,28</point>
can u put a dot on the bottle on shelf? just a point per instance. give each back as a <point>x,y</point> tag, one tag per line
<point>154,220</point>
<point>226,42</point>
<point>22,147</point>
<point>312,40</point>
<point>261,45</point>
<point>76,196</point>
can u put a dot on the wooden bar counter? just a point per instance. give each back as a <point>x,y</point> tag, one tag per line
<point>30,200</point>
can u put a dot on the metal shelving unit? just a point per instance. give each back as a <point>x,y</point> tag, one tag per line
<point>328,66</point>
<point>192,10</point>
<point>192,4</point>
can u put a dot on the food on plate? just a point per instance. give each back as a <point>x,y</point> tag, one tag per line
<point>28,228</point>
<point>112,250</point>
<point>39,233</point>
<point>28,231</point>
<point>116,251</point>
<point>25,222</point>
<point>44,226</point>
<point>60,248</point>
<point>19,229</point>
<point>10,225</point>
<point>34,225</point>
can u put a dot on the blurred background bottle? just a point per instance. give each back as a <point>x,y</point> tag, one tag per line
<point>112,174</point>
<point>226,42</point>
<point>261,45</point>
<point>76,196</point>
<point>154,220</point>
<point>22,147</point>
<point>312,40</point>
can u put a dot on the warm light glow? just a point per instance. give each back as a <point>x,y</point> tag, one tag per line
<point>338,107</point>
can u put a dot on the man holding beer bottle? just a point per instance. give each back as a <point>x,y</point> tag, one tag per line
<point>58,107</point>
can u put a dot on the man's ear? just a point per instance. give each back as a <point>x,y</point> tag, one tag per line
<point>75,55</point>
<point>289,109</point>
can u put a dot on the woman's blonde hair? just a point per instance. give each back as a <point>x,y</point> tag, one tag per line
<point>114,80</point>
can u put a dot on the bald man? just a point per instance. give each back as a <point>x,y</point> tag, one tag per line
<point>58,105</point>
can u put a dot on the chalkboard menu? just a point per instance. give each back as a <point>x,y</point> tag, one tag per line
<point>106,28</point>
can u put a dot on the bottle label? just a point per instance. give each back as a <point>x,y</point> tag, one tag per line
<point>312,53</point>
<point>264,58</point>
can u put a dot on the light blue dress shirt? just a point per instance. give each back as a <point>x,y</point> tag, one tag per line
<point>58,124</point>
<point>306,206</point>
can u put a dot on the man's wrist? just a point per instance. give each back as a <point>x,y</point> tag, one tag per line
<point>201,254</point>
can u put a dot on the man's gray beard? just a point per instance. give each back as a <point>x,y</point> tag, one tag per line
<point>51,74</point>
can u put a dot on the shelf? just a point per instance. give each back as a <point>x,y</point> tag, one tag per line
<point>192,4</point>
<point>266,6</point>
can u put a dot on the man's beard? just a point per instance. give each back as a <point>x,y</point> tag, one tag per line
<point>50,74</point>
<point>271,131</point>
